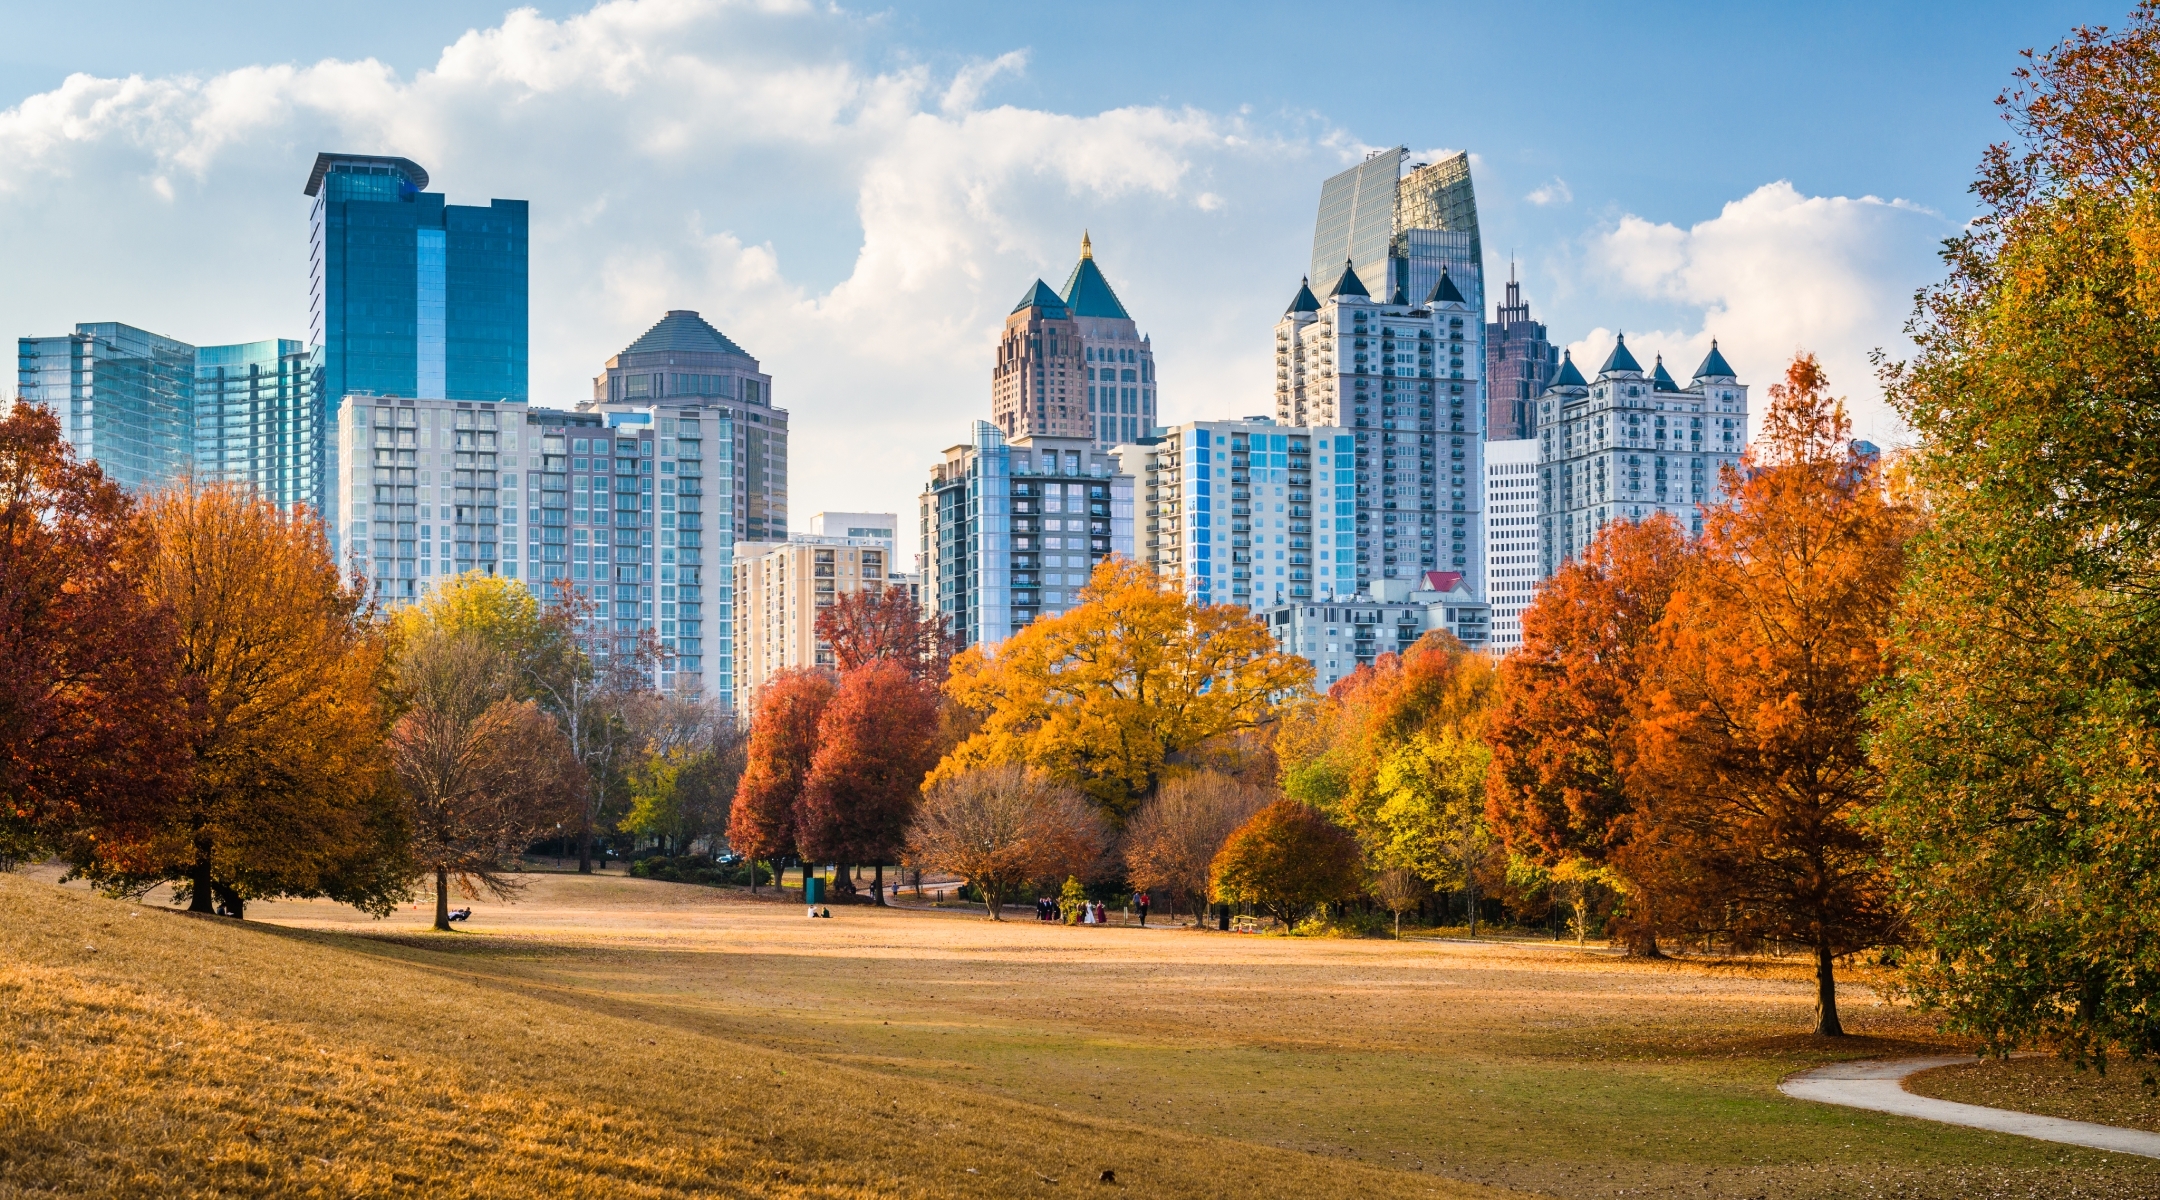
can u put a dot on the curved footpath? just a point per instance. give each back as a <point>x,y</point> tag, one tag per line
<point>1878,1084</point>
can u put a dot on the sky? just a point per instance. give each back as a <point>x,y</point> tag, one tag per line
<point>857,194</point>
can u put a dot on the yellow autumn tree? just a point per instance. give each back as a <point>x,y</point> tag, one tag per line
<point>1103,696</point>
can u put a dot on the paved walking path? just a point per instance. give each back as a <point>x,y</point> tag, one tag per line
<point>1878,1084</point>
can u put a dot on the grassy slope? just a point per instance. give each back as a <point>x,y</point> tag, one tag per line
<point>156,1054</point>
<point>2051,1087</point>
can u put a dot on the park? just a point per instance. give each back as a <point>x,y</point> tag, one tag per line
<point>653,1039</point>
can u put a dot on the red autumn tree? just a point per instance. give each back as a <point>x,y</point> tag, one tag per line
<point>90,729</point>
<point>1754,724</point>
<point>1557,793</point>
<point>783,740</point>
<point>886,623</point>
<point>1287,860</point>
<point>876,741</point>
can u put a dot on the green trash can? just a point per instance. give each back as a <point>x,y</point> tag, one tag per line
<point>813,890</point>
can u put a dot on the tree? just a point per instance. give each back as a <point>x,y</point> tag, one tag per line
<point>1398,890</point>
<point>1754,724</point>
<point>1431,817</point>
<point>681,789</point>
<point>1558,793</point>
<point>288,791</point>
<point>596,686</point>
<point>876,741</point>
<point>91,712</point>
<point>1171,843</point>
<point>1286,861</point>
<point>1001,826</point>
<point>509,619</point>
<point>2019,737</point>
<point>880,622</point>
<point>1103,695</point>
<point>484,773</point>
<point>783,741</point>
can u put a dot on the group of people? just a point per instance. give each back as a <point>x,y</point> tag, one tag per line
<point>1092,912</point>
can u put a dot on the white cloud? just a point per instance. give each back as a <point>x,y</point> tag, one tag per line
<point>862,231</point>
<point>1774,273</point>
<point>1555,191</point>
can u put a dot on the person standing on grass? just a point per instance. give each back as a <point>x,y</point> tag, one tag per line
<point>1140,904</point>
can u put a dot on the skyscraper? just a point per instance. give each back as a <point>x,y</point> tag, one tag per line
<point>125,397</point>
<point>1627,445</point>
<point>409,296</point>
<point>682,359</point>
<point>257,420</point>
<point>1519,363</point>
<point>1074,365</point>
<point>1514,560</point>
<point>1401,231</point>
<point>1405,380</point>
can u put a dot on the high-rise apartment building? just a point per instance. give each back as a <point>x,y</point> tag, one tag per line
<point>1514,561</point>
<point>684,360</point>
<point>1626,445</point>
<point>1074,365</point>
<point>1012,531</point>
<point>150,409</point>
<point>125,397</point>
<point>614,506</point>
<point>781,587</point>
<point>1405,379</point>
<point>409,296</point>
<point>1519,363</point>
<point>1245,512</point>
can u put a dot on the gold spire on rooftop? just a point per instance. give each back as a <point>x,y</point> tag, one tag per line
<point>1086,250</point>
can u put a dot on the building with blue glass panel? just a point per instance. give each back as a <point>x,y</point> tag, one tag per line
<point>125,398</point>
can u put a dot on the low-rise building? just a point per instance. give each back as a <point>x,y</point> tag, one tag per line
<point>1341,634</point>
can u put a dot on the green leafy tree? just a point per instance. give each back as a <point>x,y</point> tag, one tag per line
<point>2020,738</point>
<point>1431,815</point>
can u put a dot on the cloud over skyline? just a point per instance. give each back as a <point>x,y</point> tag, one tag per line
<point>862,230</point>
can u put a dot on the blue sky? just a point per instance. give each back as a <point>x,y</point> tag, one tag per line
<point>858,193</point>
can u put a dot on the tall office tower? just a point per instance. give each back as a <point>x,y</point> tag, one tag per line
<point>125,398</point>
<point>1011,531</point>
<point>612,506</point>
<point>1402,231</point>
<point>684,360</point>
<point>1519,363</point>
<point>1626,445</point>
<point>1406,380</point>
<point>257,421</point>
<point>409,296</point>
<point>1241,512</point>
<point>1514,562</point>
<point>781,587</point>
<point>1074,365</point>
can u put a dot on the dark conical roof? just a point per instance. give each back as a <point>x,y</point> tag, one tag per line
<point>1401,296</point>
<point>1620,359</point>
<point>1660,379</point>
<point>682,330</point>
<point>1040,296</point>
<point>1714,366</point>
<point>1445,291</point>
<point>1088,294</point>
<point>1304,301</point>
<point>1569,376</point>
<point>1348,284</point>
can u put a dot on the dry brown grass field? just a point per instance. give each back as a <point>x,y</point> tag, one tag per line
<point>629,1038</point>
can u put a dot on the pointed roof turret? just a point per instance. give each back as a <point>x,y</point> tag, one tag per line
<point>1304,301</point>
<point>1568,376</point>
<point>682,330</point>
<point>1040,296</point>
<point>1620,359</point>
<point>1348,284</point>
<point>1401,296</point>
<point>1087,293</point>
<point>1714,366</point>
<point>1445,291</point>
<point>1660,379</point>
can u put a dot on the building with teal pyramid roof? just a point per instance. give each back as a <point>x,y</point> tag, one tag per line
<point>1074,363</point>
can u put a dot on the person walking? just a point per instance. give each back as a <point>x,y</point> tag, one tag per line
<point>1140,905</point>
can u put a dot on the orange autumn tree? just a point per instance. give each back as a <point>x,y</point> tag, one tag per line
<point>1754,720</point>
<point>1286,861</point>
<point>880,622</point>
<point>1102,696</point>
<point>763,822</point>
<point>875,742</point>
<point>1557,795</point>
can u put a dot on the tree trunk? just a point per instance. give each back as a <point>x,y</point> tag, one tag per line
<point>1649,947</point>
<point>843,879</point>
<point>1826,1018</point>
<point>199,880</point>
<point>235,907</point>
<point>584,849</point>
<point>879,885</point>
<point>442,899</point>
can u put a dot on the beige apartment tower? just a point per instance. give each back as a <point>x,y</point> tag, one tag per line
<point>781,587</point>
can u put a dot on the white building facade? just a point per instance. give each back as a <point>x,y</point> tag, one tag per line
<point>1342,633</point>
<point>1629,444</point>
<point>1514,559</point>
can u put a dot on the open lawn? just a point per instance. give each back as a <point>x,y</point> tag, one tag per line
<point>638,1038</point>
